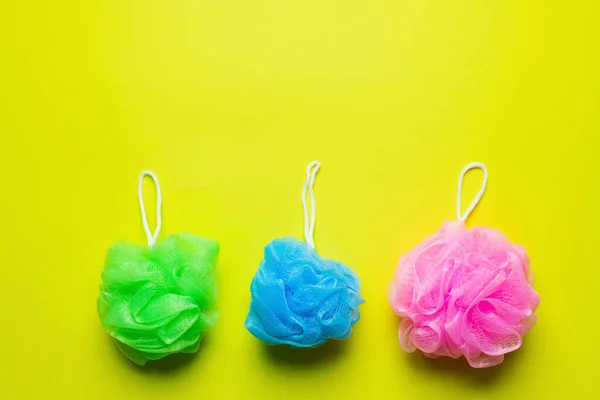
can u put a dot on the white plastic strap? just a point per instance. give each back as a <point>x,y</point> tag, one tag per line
<point>475,201</point>
<point>309,227</point>
<point>151,236</point>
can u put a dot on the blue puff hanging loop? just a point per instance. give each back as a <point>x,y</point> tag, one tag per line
<point>298,297</point>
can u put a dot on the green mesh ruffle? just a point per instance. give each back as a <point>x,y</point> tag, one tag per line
<point>159,300</point>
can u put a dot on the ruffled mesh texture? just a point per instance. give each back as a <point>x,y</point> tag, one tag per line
<point>159,300</point>
<point>464,292</point>
<point>300,299</point>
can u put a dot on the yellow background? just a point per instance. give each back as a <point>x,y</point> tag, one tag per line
<point>227,101</point>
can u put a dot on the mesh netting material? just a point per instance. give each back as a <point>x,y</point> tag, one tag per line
<point>464,292</point>
<point>301,299</point>
<point>159,300</point>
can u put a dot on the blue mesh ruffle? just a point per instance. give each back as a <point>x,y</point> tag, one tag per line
<point>301,299</point>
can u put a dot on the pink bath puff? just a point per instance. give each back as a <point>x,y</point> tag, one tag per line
<point>464,292</point>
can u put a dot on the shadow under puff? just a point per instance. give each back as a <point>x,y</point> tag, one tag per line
<point>299,357</point>
<point>460,368</point>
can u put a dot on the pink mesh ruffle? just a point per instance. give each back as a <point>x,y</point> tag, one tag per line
<point>464,292</point>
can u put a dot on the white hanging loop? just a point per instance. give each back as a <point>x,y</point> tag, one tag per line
<point>477,198</point>
<point>309,227</point>
<point>151,236</point>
